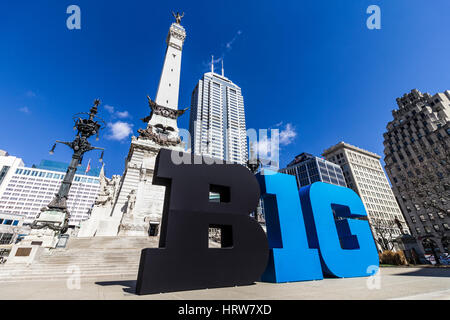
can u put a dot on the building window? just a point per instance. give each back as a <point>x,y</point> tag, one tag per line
<point>6,238</point>
<point>3,173</point>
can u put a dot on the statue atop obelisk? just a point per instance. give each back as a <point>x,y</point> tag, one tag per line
<point>178,17</point>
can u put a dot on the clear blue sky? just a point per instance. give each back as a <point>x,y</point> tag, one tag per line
<point>311,64</point>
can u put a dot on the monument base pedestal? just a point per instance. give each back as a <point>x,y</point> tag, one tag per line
<point>133,227</point>
<point>45,238</point>
<point>100,223</point>
<point>27,250</point>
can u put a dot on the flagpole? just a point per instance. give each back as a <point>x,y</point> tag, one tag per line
<point>88,168</point>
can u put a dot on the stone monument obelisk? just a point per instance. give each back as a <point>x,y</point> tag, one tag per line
<point>137,208</point>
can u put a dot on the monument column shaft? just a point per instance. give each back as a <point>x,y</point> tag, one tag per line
<point>169,83</point>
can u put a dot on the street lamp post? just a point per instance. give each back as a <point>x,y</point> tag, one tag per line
<point>56,216</point>
<point>253,164</point>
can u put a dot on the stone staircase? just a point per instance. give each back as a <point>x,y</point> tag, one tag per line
<point>98,257</point>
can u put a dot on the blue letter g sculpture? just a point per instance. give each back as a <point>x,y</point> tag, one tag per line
<point>346,245</point>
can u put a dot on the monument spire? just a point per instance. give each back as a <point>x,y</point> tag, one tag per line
<point>169,83</point>
<point>164,109</point>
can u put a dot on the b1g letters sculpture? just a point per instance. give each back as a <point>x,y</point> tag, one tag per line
<point>307,239</point>
<point>183,260</point>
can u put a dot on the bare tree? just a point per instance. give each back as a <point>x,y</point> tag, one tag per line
<point>385,233</point>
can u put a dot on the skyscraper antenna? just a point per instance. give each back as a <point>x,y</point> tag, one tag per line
<point>212,64</point>
<point>222,69</point>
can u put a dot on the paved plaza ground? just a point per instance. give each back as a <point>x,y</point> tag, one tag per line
<point>395,283</point>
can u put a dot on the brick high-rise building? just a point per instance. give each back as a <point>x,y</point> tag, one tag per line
<point>417,156</point>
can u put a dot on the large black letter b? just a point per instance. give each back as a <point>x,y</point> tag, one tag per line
<point>183,260</point>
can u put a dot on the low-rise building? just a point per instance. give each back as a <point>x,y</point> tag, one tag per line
<point>308,169</point>
<point>25,190</point>
<point>10,228</point>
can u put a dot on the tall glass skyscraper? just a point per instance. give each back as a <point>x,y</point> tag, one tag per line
<point>217,123</point>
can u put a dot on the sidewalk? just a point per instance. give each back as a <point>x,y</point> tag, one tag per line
<point>415,266</point>
<point>394,283</point>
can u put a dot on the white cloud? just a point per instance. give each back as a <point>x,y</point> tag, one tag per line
<point>109,108</point>
<point>122,115</point>
<point>228,47</point>
<point>117,114</point>
<point>263,145</point>
<point>119,130</point>
<point>269,147</point>
<point>30,94</point>
<point>215,61</point>
<point>229,44</point>
<point>288,135</point>
<point>25,110</point>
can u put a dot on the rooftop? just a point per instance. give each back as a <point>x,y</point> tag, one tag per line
<point>301,158</point>
<point>343,145</point>
<point>62,167</point>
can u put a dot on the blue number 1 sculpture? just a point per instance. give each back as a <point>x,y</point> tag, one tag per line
<point>290,259</point>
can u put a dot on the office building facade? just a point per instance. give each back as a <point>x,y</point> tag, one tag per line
<point>25,190</point>
<point>364,174</point>
<point>11,228</point>
<point>417,157</point>
<point>308,169</point>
